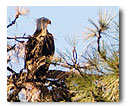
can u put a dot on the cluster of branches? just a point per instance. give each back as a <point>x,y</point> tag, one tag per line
<point>96,71</point>
<point>50,87</point>
<point>90,77</point>
<point>99,79</point>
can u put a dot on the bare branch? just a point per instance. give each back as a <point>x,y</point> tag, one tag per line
<point>19,11</point>
<point>18,37</point>
<point>11,70</point>
<point>10,47</point>
<point>13,22</point>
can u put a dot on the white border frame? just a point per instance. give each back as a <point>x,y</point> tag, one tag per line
<point>123,42</point>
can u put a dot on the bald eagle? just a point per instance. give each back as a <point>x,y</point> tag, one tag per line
<point>39,50</point>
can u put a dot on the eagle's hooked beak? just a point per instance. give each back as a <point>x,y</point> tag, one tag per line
<point>49,22</point>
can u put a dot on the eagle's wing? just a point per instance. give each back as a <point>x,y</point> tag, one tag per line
<point>38,53</point>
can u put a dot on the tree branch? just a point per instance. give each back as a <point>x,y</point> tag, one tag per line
<point>13,22</point>
<point>17,37</point>
<point>98,40</point>
<point>11,70</point>
<point>10,48</point>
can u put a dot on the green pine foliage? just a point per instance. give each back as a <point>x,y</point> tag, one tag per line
<point>102,86</point>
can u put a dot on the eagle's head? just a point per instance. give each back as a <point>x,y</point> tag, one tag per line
<point>42,24</point>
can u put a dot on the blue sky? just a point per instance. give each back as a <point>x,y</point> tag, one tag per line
<point>65,20</point>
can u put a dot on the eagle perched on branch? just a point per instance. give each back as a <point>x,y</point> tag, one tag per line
<point>39,50</point>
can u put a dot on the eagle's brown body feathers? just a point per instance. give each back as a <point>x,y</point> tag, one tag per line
<point>39,51</point>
